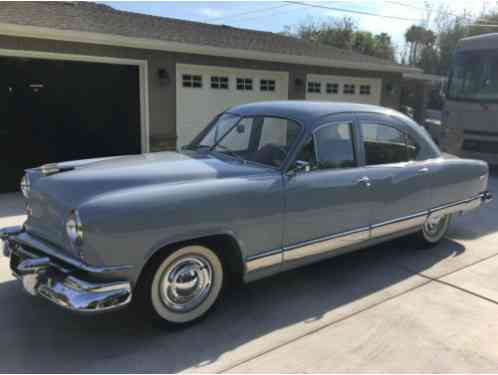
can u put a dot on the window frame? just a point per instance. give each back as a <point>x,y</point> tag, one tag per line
<point>192,79</point>
<point>383,120</point>
<point>332,88</point>
<point>365,89</point>
<point>217,80</point>
<point>351,86</point>
<point>351,123</point>
<point>270,85</point>
<point>291,154</point>
<point>328,120</point>
<point>316,84</point>
<point>244,84</point>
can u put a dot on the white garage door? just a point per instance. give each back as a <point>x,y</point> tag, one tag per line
<point>343,89</point>
<point>204,91</point>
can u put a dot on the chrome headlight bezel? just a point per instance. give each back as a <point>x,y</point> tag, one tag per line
<point>74,228</point>
<point>25,186</point>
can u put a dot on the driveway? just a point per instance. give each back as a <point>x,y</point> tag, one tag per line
<point>394,307</point>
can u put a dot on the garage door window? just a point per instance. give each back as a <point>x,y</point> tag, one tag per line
<point>332,88</point>
<point>267,85</point>
<point>219,82</point>
<point>192,80</point>
<point>365,90</point>
<point>314,87</point>
<point>244,83</point>
<point>349,89</point>
<point>385,144</point>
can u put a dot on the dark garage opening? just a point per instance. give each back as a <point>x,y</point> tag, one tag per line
<point>54,110</point>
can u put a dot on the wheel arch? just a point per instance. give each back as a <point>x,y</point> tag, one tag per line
<point>224,244</point>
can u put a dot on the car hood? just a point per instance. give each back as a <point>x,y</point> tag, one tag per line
<point>66,186</point>
<point>82,178</point>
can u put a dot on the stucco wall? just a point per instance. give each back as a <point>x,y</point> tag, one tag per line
<point>162,97</point>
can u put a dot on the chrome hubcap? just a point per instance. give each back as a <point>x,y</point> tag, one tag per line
<point>186,283</point>
<point>433,225</point>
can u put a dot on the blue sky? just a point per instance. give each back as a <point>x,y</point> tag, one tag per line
<point>274,16</point>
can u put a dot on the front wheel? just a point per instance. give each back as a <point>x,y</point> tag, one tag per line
<point>184,285</point>
<point>434,229</point>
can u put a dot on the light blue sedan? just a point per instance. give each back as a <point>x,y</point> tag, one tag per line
<point>266,187</point>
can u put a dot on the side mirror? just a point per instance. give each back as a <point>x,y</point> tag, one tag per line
<point>300,166</point>
<point>241,129</point>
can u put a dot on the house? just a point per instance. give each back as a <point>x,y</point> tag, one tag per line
<point>84,80</point>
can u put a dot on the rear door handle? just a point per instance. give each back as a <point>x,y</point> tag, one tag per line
<point>364,180</point>
<point>423,170</point>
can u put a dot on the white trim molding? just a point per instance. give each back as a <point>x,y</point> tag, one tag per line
<point>162,45</point>
<point>143,74</point>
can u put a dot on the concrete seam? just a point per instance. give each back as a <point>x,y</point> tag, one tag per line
<point>327,325</point>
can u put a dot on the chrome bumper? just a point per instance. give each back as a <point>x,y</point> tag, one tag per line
<point>462,207</point>
<point>63,285</point>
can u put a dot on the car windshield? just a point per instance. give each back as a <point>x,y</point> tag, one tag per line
<point>474,76</point>
<point>259,139</point>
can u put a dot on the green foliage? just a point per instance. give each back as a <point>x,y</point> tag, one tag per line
<point>344,34</point>
<point>432,51</point>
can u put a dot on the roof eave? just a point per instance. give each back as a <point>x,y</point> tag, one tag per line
<point>161,45</point>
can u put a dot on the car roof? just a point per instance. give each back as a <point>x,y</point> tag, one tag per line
<point>305,112</point>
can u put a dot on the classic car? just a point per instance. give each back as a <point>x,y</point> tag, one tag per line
<point>264,188</point>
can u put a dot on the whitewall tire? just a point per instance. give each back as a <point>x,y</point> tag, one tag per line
<point>434,229</point>
<point>185,284</point>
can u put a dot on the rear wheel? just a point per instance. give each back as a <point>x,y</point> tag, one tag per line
<point>434,229</point>
<point>183,285</point>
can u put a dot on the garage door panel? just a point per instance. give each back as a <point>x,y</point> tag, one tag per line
<point>196,106</point>
<point>343,89</point>
<point>57,110</point>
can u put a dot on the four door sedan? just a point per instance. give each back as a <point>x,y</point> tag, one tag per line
<point>266,187</point>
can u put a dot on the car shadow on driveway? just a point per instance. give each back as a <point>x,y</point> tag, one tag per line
<point>40,337</point>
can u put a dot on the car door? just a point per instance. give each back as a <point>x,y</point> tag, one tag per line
<point>328,206</point>
<point>400,183</point>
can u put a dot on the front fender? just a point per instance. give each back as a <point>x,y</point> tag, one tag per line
<point>129,226</point>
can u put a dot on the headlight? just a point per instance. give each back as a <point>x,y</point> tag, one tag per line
<point>74,228</point>
<point>25,186</point>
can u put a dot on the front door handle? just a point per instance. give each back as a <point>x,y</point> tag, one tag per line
<point>364,180</point>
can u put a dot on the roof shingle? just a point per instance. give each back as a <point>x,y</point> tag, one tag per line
<point>100,18</point>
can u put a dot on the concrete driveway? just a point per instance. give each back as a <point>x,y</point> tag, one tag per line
<point>393,307</point>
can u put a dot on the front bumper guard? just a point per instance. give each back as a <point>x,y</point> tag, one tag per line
<point>40,276</point>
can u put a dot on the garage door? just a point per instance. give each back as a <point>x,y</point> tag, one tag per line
<point>54,110</point>
<point>205,91</point>
<point>343,89</point>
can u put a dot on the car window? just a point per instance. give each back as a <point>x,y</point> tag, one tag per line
<point>265,140</point>
<point>335,147</point>
<point>240,137</point>
<point>385,144</point>
<point>218,130</point>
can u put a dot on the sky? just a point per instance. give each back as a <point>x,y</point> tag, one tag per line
<point>274,16</point>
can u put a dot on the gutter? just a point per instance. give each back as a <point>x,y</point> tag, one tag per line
<point>161,45</point>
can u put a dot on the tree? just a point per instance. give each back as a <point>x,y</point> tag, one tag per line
<point>343,33</point>
<point>432,48</point>
<point>418,39</point>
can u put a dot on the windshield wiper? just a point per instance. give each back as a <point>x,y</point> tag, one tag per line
<point>232,153</point>
<point>196,147</point>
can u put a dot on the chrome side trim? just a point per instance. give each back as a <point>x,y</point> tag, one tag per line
<point>264,260</point>
<point>340,240</point>
<point>397,225</point>
<point>459,207</point>
<point>325,244</point>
